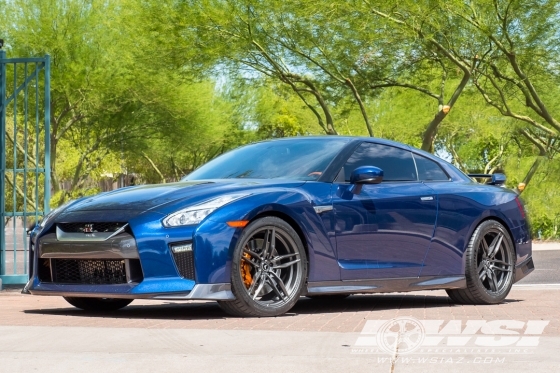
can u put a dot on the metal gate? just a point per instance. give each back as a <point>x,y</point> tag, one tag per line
<point>24,158</point>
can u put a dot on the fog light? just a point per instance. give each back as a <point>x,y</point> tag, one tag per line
<point>182,248</point>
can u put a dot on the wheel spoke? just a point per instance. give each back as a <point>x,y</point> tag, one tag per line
<point>481,271</point>
<point>280,257</point>
<point>275,281</point>
<point>272,248</point>
<point>501,269</point>
<point>252,253</point>
<point>495,245</point>
<point>264,247</point>
<point>280,282</point>
<point>481,266</point>
<point>249,260</point>
<point>496,261</point>
<point>286,265</point>
<point>492,280</point>
<point>261,285</point>
<point>484,248</point>
<point>255,281</point>
<point>269,242</point>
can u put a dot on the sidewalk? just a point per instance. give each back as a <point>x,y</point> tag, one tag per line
<point>348,315</point>
<point>46,334</point>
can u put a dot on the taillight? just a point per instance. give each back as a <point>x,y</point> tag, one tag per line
<point>520,206</point>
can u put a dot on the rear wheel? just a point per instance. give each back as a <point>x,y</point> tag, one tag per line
<point>490,260</point>
<point>98,304</point>
<point>268,270</point>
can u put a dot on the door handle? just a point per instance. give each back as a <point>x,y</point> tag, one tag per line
<point>427,198</point>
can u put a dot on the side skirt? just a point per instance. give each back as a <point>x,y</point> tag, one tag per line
<point>387,285</point>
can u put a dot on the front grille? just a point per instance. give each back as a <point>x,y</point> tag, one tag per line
<point>185,264</point>
<point>90,272</point>
<point>90,227</point>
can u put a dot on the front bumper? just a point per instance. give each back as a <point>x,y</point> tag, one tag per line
<point>157,272</point>
<point>133,291</point>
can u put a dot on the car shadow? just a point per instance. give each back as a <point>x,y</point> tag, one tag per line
<point>305,306</point>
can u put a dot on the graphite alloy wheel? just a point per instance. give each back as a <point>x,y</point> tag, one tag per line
<point>268,271</point>
<point>98,304</point>
<point>490,261</point>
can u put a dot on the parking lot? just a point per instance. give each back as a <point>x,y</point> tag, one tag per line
<point>47,334</point>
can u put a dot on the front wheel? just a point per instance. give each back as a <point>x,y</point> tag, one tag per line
<point>268,271</point>
<point>490,261</point>
<point>98,304</point>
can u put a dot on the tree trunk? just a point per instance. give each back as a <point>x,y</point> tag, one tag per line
<point>429,136</point>
<point>55,184</point>
<point>361,104</point>
<point>532,171</point>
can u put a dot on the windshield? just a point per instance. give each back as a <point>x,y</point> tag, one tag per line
<point>302,159</point>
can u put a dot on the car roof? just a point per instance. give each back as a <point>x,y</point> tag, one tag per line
<point>355,139</point>
<point>349,138</point>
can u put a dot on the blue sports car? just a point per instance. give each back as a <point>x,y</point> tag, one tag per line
<point>264,224</point>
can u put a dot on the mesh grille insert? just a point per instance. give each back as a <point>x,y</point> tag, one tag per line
<point>91,272</point>
<point>185,264</point>
<point>90,227</point>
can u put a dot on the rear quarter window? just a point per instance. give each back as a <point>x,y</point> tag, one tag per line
<point>429,170</point>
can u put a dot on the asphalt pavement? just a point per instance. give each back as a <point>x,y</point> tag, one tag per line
<point>547,268</point>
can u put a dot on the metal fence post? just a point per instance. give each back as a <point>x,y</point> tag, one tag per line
<point>2,159</point>
<point>18,172</point>
<point>47,200</point>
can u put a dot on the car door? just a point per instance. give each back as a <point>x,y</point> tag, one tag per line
<point>455,213</point>
<point>385,230</point>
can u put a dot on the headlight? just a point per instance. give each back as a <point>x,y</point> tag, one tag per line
<point>53,213</point>
<point>195,214</point>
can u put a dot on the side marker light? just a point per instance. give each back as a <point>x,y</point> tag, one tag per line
<point>238,223</point>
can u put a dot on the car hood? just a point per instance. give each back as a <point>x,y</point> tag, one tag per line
<point>149,197</point>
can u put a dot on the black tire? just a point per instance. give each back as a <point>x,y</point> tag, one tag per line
<point>489,266</point>
<point>98,304</point>
<point>268,270</point>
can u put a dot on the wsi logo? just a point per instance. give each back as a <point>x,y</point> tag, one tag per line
<point>407,334</point>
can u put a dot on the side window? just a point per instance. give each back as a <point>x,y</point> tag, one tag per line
<point>429,170</point>
<point>397,164</point>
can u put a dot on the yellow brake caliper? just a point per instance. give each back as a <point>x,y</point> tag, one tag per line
<point>246,271</point>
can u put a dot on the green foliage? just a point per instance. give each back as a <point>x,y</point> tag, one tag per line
<point>154,89</point>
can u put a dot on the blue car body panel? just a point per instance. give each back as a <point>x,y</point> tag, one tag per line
<point>385,231</point>
<point>391,231</point>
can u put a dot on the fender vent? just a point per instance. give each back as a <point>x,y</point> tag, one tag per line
<point>184,260</point>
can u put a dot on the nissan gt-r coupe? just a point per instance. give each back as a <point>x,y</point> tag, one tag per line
<point>264,224</point>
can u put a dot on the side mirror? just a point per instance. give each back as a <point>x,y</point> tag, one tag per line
<point>365,175</point>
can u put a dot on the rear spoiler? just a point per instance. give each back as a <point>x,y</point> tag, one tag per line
<point>496,179</point>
